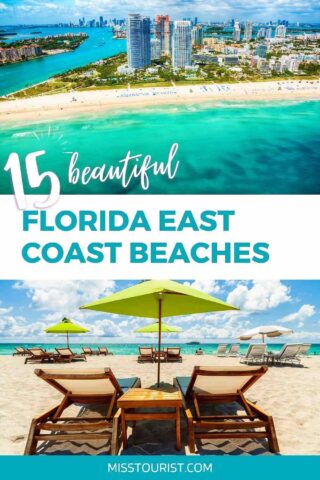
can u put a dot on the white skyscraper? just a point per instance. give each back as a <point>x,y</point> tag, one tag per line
<point>269,32</point>
<point>236,32</point>
<point>182,44</point>
<point>281,31</point>
<point>248,31</point>
<point>261,33</point>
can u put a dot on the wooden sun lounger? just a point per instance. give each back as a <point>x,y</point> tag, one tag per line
<point>20,351</point>
<point>85,387</point>
<point>104,351</point>
<point>146,354</point>
<point>89,351</point>
<point>67,355</point>
<point>223,385</point>
<point>40,355</point>
<point>173,354</point>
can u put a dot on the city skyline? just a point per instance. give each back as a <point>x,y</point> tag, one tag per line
<point>36,11</point>
<point>27,307</point>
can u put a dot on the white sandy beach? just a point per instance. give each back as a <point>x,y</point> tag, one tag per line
<point>46,107</point>
<point>290,394</point>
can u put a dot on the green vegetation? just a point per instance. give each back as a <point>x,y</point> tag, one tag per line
<point>61,42</point>
<point>311,68</point>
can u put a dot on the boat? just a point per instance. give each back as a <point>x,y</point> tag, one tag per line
<point>193,343</point>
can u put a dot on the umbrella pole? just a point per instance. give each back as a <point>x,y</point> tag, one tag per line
<point>263,338</point>
<point>67,339</point>
<point>159,340</point>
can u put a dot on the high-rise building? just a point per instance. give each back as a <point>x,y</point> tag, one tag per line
<point>236,32</point>
<point>155,49</point>
<point>261,33</point>
<point>138,41</point>
<point>195,20</point>
<point>101,22</point>
<point>248,31</point>
<point>269,32</point>
<point>162,32</point>
<point>182,44</point>
<point>197,35</point>
<point>281,31</point>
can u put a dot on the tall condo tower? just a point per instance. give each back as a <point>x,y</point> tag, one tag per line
<point>162,33</point>
<point>236,32</point>
<point>138,41</point>
<point>248,31</point>
<point>182,44</point>
<point>197,35</point>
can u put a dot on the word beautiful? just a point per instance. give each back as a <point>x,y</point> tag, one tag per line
<point>119,247</point>
<point>130,168</point>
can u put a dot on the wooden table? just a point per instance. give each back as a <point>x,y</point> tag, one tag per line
<point>163,355</point>
<point>139,398</point>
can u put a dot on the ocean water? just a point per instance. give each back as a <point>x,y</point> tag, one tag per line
<point>133,349</point>
<point>224,148</point>
<point>100,44</point>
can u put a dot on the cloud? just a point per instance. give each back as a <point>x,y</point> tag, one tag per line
<point>11,326</point>
<point>65,296</point>
<point>206,286</point>
<point>262,295</point>
<point>304,312</point>
<point>105,328</point>
<point>3,6</point>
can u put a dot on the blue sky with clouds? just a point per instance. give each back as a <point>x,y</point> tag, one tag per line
<point>27,307</point>
<point>33,11</point>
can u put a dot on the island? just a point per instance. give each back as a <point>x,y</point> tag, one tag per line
<point>23,50</point>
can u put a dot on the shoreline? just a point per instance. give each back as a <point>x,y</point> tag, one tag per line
<point>48,107</point>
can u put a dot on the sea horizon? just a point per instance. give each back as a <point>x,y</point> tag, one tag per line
<point>133,348</point>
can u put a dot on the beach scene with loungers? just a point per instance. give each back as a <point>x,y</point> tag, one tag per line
<point>159,367</point>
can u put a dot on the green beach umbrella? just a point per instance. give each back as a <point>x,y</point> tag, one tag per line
<point>158,299</point>
<point>66,326</point>
<point>154,328</point>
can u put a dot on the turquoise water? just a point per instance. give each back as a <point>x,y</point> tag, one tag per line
<point>100,44</point>
<point>224,148</point>
<point>132,349</point>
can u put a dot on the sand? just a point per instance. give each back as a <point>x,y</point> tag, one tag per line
<point>48,107</point>
<point>290,394</point>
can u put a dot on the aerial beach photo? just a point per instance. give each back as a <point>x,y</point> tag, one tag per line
<point>237,90</point>
<point>246,352</point>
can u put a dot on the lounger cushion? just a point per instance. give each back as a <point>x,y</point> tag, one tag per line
<point>183,383</point>
<point>126,383</point>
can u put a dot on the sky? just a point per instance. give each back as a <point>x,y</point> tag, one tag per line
<point>28,307</point>
<point>42,11</point>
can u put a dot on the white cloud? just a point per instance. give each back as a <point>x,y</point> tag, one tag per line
<point>105,328</point>
<point>262,295</point>
<point>3,6</point>
<point>61,298</point>
<point>304,312</point>
<point>206,286</point>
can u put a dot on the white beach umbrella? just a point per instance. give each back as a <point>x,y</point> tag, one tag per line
<point>265,331</point>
